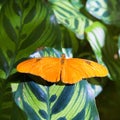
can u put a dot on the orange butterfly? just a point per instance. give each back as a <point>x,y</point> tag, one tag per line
<point>67,70</point>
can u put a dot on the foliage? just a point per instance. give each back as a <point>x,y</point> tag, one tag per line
<point>78,28</point>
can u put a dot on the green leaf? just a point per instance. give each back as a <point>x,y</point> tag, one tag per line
<point>70,16</point>
<point>4,67</point>
<point>96,37</point>
<point>105,10</point>
<point>99,9</point>
<point>76,3</point>
<point>6,102</point>
<point>57,101</point>
<point>24,26</point>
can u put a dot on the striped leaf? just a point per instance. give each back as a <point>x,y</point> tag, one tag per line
<point>105,10</point>
<point>96,38</point>
<point>70,17</point>
<point>76,3</point>
<point>98,8</point>
<point>56,102</point>
<point>24,26</point>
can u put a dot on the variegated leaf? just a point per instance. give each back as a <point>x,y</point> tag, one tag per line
<point>96,38</point>
<point>24,26</point>
<point>105,10</point>
<point>56,102</point>
<point>70,16</point>
<point>76,3</point>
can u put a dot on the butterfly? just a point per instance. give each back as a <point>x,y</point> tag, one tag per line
<point>69,71</point>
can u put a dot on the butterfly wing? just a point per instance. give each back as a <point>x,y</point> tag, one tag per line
<point>75,70</point>
<point>47,68</point>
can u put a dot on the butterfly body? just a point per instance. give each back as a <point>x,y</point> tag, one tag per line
<point>69,70</point>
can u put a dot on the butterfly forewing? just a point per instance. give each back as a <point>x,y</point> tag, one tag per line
<point>75,70</point>
<point>47,68</point>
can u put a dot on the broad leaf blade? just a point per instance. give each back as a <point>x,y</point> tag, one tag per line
<point>56,101</point>
<point>96,38</point>
<point>24,27</point>
<point>70,16</point>
<point>98,9</point>
<point>105,10</point>
<point>76,3</point>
